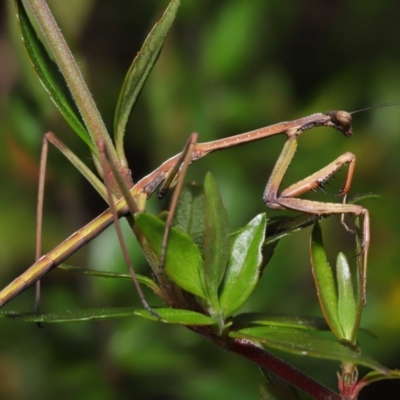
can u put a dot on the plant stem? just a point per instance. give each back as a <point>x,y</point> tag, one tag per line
<point>280,368</point>
<point>271,363</point>
<point>68,67</point>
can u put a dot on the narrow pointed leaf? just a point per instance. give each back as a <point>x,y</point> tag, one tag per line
<point>108,274</point>
<point>105,274</point>
<point>50,76</point>
<point>300,342</point>
<point>183,263</point>
<point>168,315</point>
<point>289,321</point>
<point>140,70</point>
<point>281,226</point>
<point>324,282</point>
<point>375,376</point>
<point>243,271</point>
<point>216,240</point>
<point>347,309</point>
<point>178,316</point>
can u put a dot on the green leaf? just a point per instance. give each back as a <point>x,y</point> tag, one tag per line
<point>289,321</point>
<point>375,376</point>
<point>324,282</point>
<point>347,309</point>
<point>216,240</point>
<point>108,274</point>
<point>50,76</point>
<point>183,263</point>
<point>139,71</point>
<point>177,316</point>
<point>168,315</point>
<point>243,271</point>
<point>281,226</point>
<point>300,342</point>
<point>189,215</point>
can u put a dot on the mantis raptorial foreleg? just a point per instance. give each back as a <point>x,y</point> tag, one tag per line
<point>287,199</point>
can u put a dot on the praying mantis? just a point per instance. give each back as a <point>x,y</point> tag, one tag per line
<point>168,173</point>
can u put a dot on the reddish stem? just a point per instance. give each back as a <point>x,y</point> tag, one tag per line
<point>262,358</point>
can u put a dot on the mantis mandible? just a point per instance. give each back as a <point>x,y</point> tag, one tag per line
<point>167,174</point>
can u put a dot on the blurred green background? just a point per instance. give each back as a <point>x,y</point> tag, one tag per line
<point>227,67</point>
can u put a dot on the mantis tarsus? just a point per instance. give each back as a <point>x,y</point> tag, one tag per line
<point>168,173</point>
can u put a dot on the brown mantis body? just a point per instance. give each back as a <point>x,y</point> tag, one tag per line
<point>169,171</point>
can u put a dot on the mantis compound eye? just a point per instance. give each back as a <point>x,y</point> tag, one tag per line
<point>342,121</point>
<point>343,118</point>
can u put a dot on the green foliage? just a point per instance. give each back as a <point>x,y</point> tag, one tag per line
<point>50,76</point>
<point>261,76</point>
<point>325,283</point>
<point>346,302</point>
<point>139,71</point>
<point>168,315</point>
<point>183,259</point>
<point>218,294</point>
<point>300,342</point>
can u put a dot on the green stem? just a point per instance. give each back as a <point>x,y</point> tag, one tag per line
<point>68,67</point>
